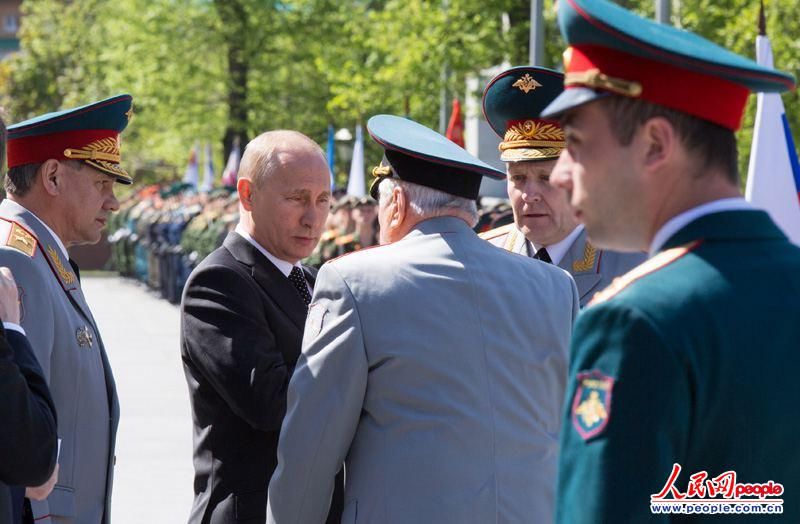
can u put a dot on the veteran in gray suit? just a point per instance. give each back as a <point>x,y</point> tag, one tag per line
<point>423,370</point>
<point>62,169</point>
<point>544,226</point>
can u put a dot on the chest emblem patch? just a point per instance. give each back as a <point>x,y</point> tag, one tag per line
<point>591,406</point>
<point>84,337</point>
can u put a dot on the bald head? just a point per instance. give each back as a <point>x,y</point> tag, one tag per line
<point>284,193</point>
<point>275,150</point>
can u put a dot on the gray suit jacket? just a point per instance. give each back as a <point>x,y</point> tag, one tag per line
<point>433,370</point>
<point>66,342</point>
<point>593,269</point>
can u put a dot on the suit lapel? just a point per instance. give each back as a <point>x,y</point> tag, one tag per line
<point>581,261</point>
<point>268,277</point>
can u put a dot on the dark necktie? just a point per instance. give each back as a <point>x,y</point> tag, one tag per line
<point>298,279</point>
<point>75,268</point>
<point>543,255</point>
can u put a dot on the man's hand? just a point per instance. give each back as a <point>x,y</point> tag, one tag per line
<point>9,297</point>
<point>41,492</point>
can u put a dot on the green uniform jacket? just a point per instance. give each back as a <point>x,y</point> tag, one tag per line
<point>691,358</point>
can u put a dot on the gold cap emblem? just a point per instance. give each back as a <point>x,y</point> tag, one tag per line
<point>526,83</point>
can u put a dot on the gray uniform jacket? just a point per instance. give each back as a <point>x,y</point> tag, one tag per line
<point>67,344</point>
<point>434,368</point>
<point>593,269</point>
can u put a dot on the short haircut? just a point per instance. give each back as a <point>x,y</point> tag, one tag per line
<point>19,179</point>
<point>713,145</point>
<point>262,154</point>
<point>428,202</point>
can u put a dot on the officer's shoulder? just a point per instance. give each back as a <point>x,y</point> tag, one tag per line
<point>344,239</point>
<point>16,237</point>
<point>496,233</point>
<point>651,273</point>
<point>329,235</point>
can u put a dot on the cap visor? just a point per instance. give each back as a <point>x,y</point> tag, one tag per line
<point>570,99</point>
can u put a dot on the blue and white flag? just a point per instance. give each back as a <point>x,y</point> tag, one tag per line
<point>230,174</point>
<point>773,177</point>
<point>332,155</point>
<point>208,170</point>
<point>192,175</point>
<point>355,183</point>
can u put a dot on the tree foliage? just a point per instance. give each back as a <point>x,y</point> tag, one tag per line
<point>210,70</point>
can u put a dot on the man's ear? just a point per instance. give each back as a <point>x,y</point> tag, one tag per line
<point>659,142</point>
<point>244,186</point>
<point>52,176</point>
<point>400,202</point>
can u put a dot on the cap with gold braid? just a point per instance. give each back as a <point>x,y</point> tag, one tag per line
<point>615,52</point>
<point>88,133</point>
<point>512,102</point>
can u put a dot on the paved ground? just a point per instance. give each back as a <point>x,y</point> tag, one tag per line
<point>153,480</point>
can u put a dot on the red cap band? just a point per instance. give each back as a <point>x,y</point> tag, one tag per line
<point>37,149</point>
<point>705,96</point>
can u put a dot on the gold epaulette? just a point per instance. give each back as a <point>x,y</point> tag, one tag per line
<point>328,235</point>
<point>344,239</point>
<point>652,265</point>
<point>21,239</point>
<point>498,231</point>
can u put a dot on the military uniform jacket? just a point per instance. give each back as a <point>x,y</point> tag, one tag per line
<point>593,269</point>
<point>689,359</point>
<point>69,349</point>
<point>426,370</point>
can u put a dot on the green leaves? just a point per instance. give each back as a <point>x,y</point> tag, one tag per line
<point>207,70</point>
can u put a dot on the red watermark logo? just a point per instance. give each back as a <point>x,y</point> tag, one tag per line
<point>722,494</point>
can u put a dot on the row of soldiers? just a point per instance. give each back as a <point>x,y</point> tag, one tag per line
<point>161,233</point>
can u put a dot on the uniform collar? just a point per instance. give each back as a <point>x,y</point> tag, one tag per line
<point>282,265</point>
<point>19,208</point>
<point>678,222</point>
<point>560,248</point>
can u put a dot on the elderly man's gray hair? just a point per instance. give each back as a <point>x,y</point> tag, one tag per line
<point>428,202</point>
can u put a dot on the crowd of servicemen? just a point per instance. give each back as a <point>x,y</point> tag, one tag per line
<point>435,377</point>
<point>163,231</point>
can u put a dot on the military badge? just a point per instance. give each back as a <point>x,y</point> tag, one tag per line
<point>591,407</point>
<point>315,320</point>
<point>84,337</point>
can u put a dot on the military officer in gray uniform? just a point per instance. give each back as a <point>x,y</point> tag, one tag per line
<point>424,369</point>
<point>62,169</point>
<point>544,226</point>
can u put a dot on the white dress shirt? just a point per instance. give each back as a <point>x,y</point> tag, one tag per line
<point>559,249</point>
<point>678,222</point>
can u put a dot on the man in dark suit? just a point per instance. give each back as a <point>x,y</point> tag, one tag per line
<point>243,312</point>
<point>28,441</point>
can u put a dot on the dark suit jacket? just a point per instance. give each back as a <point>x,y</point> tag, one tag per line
<point>241,329</point>
<point>28,442</point>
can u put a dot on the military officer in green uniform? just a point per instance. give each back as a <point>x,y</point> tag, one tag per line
<point>60,186</point>
<point>683,387</point>
<point>543,227</point>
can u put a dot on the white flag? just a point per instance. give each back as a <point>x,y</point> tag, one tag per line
<point>355,183</point>
<point>773,177</point>
<point>208,170</point>
<point>192,175</point>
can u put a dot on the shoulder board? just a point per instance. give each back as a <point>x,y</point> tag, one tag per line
<point>328,235</point>
<point>498,231</point>
<point>344,239</point>
<point>647,267</point>
<point>20,238</point>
